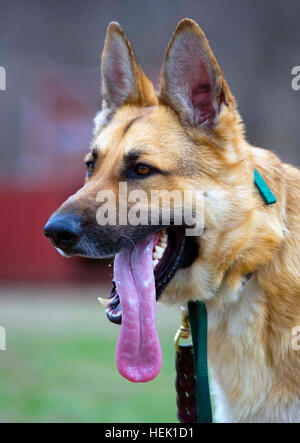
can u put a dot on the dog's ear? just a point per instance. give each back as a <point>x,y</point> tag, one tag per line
<point>192,82</point>
<point>123,80</point>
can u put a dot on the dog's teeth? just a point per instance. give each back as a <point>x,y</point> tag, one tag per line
<point>159,251</point>
<point>163,245</point>
<point>164,238</point>
<point>155,255</point>
<point>104,301</point>
<point>155,263</point>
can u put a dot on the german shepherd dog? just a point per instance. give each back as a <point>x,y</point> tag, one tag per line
<point>245,265</point>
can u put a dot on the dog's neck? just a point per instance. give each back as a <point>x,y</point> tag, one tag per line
<point>250,325</point>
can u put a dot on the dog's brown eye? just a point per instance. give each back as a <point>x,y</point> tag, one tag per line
<point>140,171</point>
<point>143,169</point>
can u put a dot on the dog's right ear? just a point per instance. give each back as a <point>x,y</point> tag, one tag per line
<point>123,81</point>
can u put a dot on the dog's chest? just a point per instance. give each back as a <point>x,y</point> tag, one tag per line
<point>241,378</point>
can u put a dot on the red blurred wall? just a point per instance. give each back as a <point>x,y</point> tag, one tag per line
<point>26,254</point>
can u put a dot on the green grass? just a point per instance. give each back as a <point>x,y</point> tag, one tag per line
<point>59,364</point>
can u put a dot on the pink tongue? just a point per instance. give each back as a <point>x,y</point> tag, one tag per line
<point>138,354</point>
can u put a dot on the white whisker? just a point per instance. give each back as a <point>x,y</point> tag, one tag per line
<point>128,238</point>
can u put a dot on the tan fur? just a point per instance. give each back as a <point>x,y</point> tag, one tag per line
<point>255,370</point>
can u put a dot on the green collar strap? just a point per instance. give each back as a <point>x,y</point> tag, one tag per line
<point>264,190</point>
<point>198,323</point>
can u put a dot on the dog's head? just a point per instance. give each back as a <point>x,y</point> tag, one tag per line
<point>187,137</point>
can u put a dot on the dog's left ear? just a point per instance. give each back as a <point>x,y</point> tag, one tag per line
<point>192,82</point>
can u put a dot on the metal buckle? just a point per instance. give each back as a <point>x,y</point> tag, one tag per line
<point>183,332</point>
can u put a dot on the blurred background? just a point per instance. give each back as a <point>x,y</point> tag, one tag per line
<point>59,364</point>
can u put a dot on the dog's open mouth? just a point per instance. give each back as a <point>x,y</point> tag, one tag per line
<point>140,276</point>
<point>166,253</point>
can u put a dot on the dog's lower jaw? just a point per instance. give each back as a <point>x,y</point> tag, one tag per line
<point>201,282</point>
<point>191,283</point>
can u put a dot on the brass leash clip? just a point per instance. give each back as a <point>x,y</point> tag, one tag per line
<point>184,330</point>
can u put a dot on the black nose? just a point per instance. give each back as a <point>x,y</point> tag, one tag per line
<point>63,229</point>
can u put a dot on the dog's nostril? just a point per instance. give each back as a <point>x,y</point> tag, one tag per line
<point>63,229</point>
<point>66,236</point>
